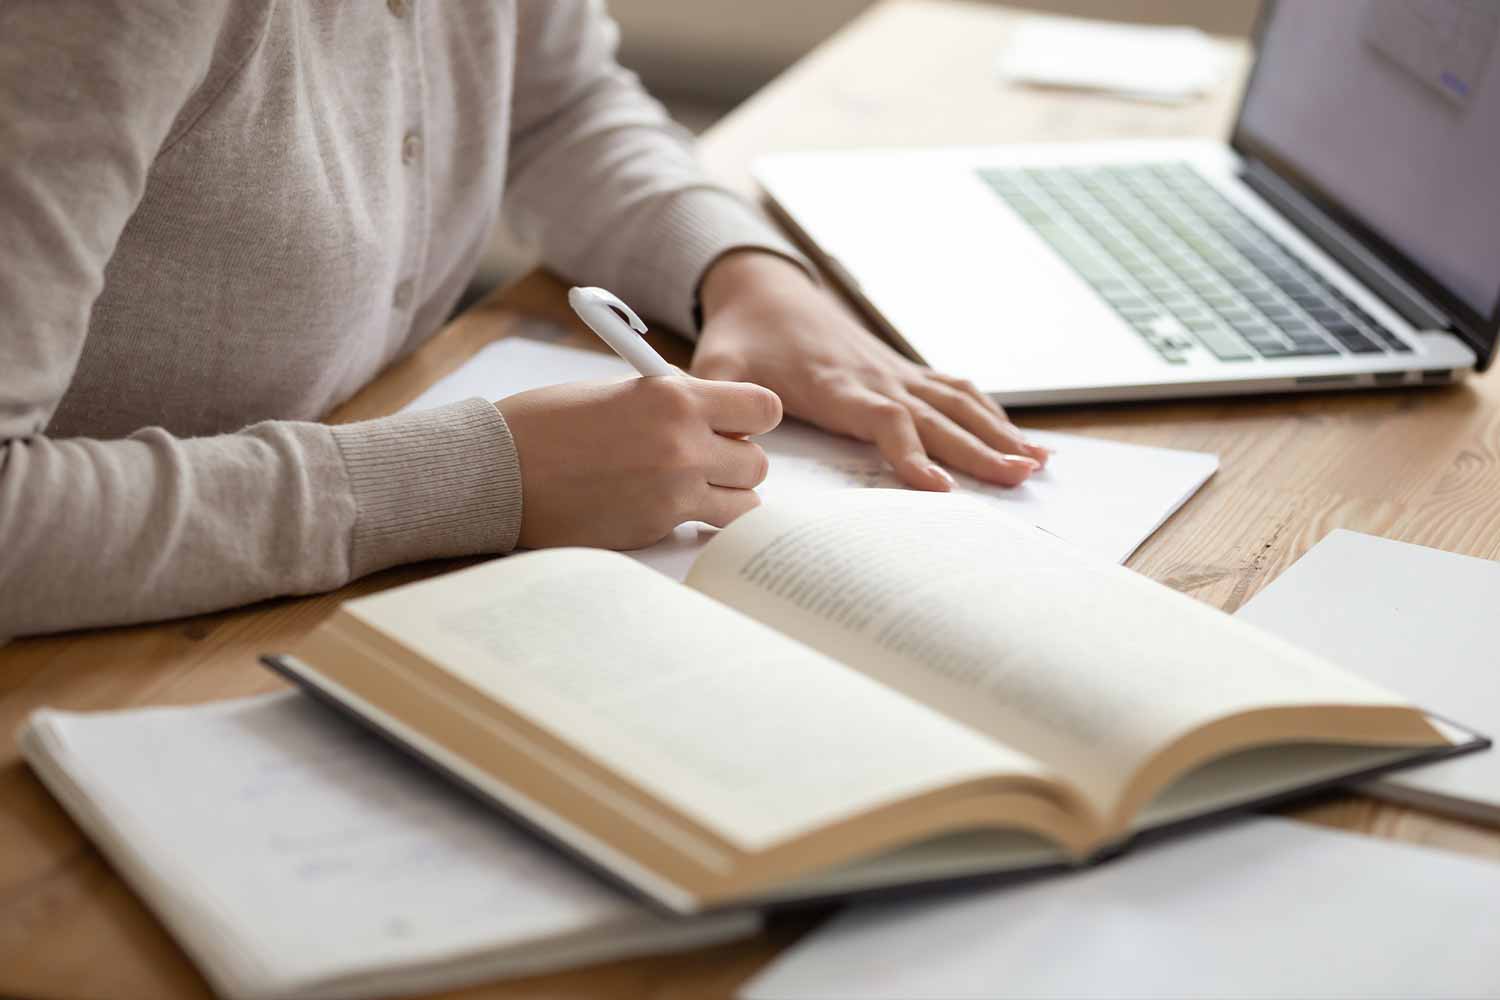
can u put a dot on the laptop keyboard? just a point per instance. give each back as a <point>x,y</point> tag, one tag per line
<point>1185,267</point>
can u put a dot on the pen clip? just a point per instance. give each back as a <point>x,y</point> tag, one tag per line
<point>604,297</point>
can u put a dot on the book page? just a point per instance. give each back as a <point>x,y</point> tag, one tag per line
<point>289,850</point>
<point>755,736</point>
<point>1083,665</point>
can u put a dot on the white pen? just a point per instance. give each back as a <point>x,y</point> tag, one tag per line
<point>596,307</point>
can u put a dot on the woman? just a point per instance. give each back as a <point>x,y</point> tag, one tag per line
<point>220,219</point>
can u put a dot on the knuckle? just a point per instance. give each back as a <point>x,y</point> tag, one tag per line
<point>845,397</point>
<point>828,379</point>
<point>922,414</point>
<point>930,423</point>
<point>968,399</point>
<point>942,390</point>
<point>981,415</point>
<point>674,397</point>
<point>971,405</point>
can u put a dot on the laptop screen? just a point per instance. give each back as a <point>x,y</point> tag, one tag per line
<point>1387,114</point>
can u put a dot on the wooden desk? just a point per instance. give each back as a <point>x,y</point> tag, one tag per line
<point>1420,466</point>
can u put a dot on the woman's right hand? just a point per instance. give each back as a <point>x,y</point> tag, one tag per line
<point>618,465</point>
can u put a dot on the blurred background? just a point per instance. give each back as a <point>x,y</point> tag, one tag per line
<point>707,56</point>
<point>703,58</point>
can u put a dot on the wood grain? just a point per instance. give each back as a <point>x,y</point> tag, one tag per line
<point>1423,466</point>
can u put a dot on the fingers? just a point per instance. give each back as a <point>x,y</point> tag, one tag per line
<point>736,463</point>
<point>720,505</point>
<point>739,407</point>
<point>961,450</point>
<point>977,414</point>
<point>891,426</point>
<point>968,388</point>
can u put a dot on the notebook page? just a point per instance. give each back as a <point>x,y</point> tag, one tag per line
<point>1102,495</point>
<point>1083,665</point>
<point>289,850</point>
<point>1267,908</point>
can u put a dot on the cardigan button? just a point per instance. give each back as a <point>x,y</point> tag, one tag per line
<point>398,7</point>
<point>411,148</point>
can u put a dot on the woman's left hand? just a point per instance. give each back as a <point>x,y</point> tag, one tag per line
<point>765,321</point>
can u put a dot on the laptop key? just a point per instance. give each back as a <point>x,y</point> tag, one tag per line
<point>1274,350</point>
<point>1280,350</point>
<point>1356,342</point>
<point>1223,344</point>
<point>1308,350</point>
<point>1305,336</point>
<point>1342,329</point>
<point>1168,338</point>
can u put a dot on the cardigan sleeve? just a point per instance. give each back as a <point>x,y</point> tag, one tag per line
<point>604,181</point>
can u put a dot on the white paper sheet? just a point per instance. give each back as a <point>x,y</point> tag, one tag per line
<point>1413,619</point>
<point>1153,63</point>
<point>1102,495</point>
<point>1267,908</point>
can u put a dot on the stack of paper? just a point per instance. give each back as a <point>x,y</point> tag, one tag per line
<point>1416,620</point>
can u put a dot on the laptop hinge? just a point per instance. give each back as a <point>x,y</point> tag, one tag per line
<point>1339,244</point>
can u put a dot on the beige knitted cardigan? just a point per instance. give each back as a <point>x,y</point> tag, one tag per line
<point>220,218</point>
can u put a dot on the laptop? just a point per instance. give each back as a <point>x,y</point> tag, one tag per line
<point>1348,236</point>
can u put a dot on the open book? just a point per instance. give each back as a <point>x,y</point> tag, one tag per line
<point>860,689</point>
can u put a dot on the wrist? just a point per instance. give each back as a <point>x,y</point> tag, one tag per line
<point>744,272</point>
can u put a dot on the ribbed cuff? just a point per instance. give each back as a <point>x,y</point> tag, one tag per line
<point>431,484</point>
<point>694,229</point>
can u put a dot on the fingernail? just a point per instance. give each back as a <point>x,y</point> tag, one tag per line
<point>1029,463</point>
<point>942,473</point>
<point>1039,453</point>
<point>1034,448</point>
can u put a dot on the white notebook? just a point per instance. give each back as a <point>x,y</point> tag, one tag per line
<point>293,855</point>
<point>1102,495</point>
<point>1416,620</point>
<point>1268,908</point>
